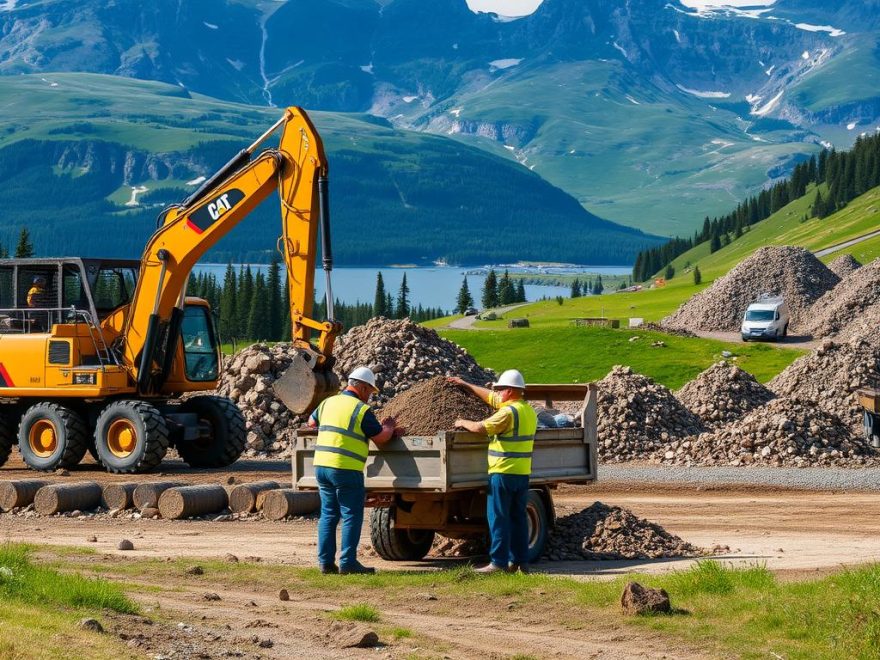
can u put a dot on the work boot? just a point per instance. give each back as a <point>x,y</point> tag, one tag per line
<point>329,569</point>
<point>357,569</point>
<point>518,568</point>
<point>489,568</point>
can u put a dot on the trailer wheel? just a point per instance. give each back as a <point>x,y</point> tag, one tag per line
<point>539,525</point>
<point>7,438</point>
<point>131,437</point>
<point>222,433</point>
<point>397,544</point>
<point>51,437</point>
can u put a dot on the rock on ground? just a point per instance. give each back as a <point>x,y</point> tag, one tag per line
<point>844,265</point>
<point>851,310</point>
<point>637,599</point>
<point>434,405</point>
<point>723,393</point>
<point>637,416</point>
<point>792,272</point>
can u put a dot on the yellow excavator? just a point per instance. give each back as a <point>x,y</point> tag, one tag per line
<point>95,354</point>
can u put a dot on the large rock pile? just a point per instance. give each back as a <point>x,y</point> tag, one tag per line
<point>830,376</point>
<point>611,532</point>
<point>402,353</point>
<point>434,405</point>
<point>784,432</point>
<point>852,309</point>
<point>637,416</point>
<point>844,265</point>
<point>723,393</point>
<point>792,272</point>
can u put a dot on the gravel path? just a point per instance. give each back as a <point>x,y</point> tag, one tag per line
<point>780,477</point>
<point>467,322</point>
<point>792,341</point>
<point>840,246</point>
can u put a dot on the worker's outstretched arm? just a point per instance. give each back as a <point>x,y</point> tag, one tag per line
<point>481,393</point>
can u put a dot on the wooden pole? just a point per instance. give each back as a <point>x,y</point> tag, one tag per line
<point>147,495</point>
<point>243,498</point>
<point>285,502</point>
<point>118,496</point>
<point>19,493</point>
<point>56,498</point>
<point>189,501</point>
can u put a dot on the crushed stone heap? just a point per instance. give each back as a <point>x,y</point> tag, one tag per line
<point>830,376</point>
<point>791,272</point>
<point>783,432</point>
<point>637,416</point>
<point>433,405</point>
<point>851,310</point>
<point>722,394</point>
<point>611,532</point>
<point>844,265</point>
<point>402,353</point>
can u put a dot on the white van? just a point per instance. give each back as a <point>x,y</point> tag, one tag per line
<point>766,318</point>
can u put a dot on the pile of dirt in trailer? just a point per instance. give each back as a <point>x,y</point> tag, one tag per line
<point>851,310</point>
<point>844,265</point>
<point>783,432</point>
<point>830,376</point>
<point>611,532</point>
<point>433,405</point>
<point>792,272</point>
<point>722,394</point>
<point>402,353</point>
<point>637,416</point>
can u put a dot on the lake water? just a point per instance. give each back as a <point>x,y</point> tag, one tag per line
<point>429,287</point>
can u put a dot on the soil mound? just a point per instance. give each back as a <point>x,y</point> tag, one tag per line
<point>723,393</point>
<point>402,353</point>
<point>851,310</point>
<point>433,405</point>
<point>830,376</point>
<point>637,416</point>
<point>791,272</point>
<point>611,532</point>
<point>844,265</point>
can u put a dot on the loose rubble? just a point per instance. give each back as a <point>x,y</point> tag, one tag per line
<point>792,272</point>
<point>844,265</point>
<point>851,310</point>
<point>402,353</point>
<point>830,376</point>
<point>611,532</point>
<point>723,393</point>
<point>637,416</point>
<point>783,432</point>
<point>434,405</point>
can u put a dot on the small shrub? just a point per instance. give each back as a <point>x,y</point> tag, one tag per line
<point>360,612</point>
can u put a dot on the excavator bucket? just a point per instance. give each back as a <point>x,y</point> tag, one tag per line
<point>305,383</point>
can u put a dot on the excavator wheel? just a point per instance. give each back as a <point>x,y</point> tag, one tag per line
<point>222,433</point>
<point>7,438</point>
<point>51,437</point>
<point>131,436</point>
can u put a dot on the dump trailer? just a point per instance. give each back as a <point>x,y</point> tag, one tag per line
<point>419,486</point>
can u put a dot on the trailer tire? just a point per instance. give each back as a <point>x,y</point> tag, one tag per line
<point>224,435</point>
<point>131,437</point>
<point>539,525</point>
<point>51,437</point>
<point>7,438</point>
<point>394,544</point>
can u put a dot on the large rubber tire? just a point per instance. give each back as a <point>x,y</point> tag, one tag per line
<point>7,438</point>
<point>397,544</point>
<point>67,430</point>
<point>131,436</point>
<point>223,435</point>
<point>539,525</point>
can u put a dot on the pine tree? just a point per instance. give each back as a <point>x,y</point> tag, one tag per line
<point>229,304</point>
<point>506,292</point>
<point>670,272</point>
<point>258,318</point>
<point>598,287</point>
<point>379,306</point>
<point>403,307</point>
<point>287,322</point>
<point>698,277</point>
<point>245,296</point>
<point>24,249</point>
<point>521,291</point>
<point>389,305</point>
<point>465,299</point>
<point>490,290</point>
<point>576,288</point>
<point>714,244</point>
<point>275,326</point>
<point>818,205</point>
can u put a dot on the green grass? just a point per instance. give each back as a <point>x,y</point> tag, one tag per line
<point>359,612</point>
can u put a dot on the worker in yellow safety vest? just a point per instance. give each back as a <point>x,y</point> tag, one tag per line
<point>511,430</point>
<point>346,424</point>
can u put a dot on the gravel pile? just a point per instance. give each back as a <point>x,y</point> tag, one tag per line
<point>434,405</point>
<point>844,265</point>
<point>402,353</point>
<point>852,309</point>
<point>611,532</point>
<point>792,272</point>
<point>722,394</point>
<point>783,432</point>
<point>830,376</point>
<point>637,416</point>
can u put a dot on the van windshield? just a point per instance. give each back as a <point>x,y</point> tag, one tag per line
<point>760,315</point>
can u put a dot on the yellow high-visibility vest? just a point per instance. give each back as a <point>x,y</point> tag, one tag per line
<point>341,440</point>
<point>511,452</point>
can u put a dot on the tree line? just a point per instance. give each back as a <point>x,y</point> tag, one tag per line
<point>847,174</point>
<point>497,292</point>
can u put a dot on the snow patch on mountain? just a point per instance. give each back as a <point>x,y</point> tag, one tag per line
<point>805,55</point>
<point>632,100</point>
<point>677,36</point>
<point>833,31</point>
<point>767,108</point>
<point>196,181</point>
<point>238,65</point>
<point>456,112</point>
<point>8,5</point>
<point>704,95</point>
<point>850,126</point>
<point>210,25</point>
<point>506,63</point>
<point>367,68</point>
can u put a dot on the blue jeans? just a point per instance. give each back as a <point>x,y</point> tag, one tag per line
<point>508,523</point>
<point>342,496</point>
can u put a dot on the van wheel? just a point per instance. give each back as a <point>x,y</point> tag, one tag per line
<point>785,330</point>
<point>539,525</point>
<point>51,437</point>
<point>394,544</point>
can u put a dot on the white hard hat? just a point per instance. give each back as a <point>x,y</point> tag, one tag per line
<point>364,375</point>
<point>510,378</point>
